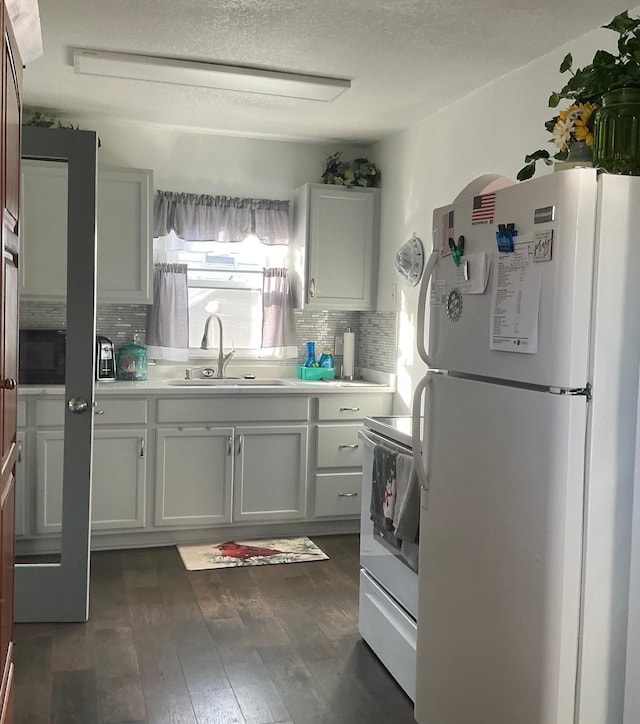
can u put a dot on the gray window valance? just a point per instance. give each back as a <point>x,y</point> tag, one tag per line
<point>200,217</point>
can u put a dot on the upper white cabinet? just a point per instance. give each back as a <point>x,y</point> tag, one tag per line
<point>124,235</point>
<point>334,249</point>
<point>124,205</point>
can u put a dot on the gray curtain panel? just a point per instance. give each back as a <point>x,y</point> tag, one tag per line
<point>169,320</point>
<point>199,217</point>
<point>278,323</point>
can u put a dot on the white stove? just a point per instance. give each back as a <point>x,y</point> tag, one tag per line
<point>388,577</point>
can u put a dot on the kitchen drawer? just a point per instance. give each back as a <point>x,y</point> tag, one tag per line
<point>50,412</point>
<point>389,631</point>
<point>339,446</point>
<point>353,407</point>
<point>338,494</point>
<point>126,412</point>
<point>217,409</point>
<point>22,413</point>
<point>107,412</point>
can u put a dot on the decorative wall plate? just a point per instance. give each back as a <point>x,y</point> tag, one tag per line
<point>409,261</point>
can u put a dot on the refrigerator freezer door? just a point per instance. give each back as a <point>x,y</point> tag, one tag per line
<point>461,325</point>
<point>500,555</point>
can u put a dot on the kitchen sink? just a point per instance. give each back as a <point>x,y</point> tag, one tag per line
<point>227,382</point>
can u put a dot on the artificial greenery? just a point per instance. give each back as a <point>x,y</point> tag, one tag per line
<point>43,121</point>
<point>360,172</point>
<point>586,86</point>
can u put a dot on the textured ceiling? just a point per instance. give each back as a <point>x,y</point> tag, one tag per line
<point>405,58</point>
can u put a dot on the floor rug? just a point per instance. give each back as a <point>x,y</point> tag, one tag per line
<point>250,553</point>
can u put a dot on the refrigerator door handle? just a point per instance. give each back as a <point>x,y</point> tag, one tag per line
<point>422,306</point>
<point>416,442</point>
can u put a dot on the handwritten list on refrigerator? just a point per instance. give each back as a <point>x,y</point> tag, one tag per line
<point>515,301</point>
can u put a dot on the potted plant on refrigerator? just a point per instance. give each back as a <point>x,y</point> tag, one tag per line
<point>604,111</point>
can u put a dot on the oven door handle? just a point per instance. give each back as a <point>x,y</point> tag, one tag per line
<point>366,437</point>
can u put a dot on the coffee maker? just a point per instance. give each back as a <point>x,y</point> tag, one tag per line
<point>105,359</point>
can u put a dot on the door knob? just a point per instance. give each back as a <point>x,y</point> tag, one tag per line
<point>78,405</point>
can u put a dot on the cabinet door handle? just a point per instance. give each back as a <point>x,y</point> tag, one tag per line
<point>312,287</point>
<point>350,447</point>
<point>141,447</point>
<point>98,412</point>
<point>239,448</point>
<point>229,444</point>
<point>9,384</point>
<point>347,495</point>
<point>349,409</point>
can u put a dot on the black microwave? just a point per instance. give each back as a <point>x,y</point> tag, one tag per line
<point>41,356</point>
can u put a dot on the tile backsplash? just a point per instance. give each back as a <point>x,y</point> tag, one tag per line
<point>376,332</point>
<point>119,322</point>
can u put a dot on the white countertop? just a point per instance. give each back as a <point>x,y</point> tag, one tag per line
<point>379,382</point>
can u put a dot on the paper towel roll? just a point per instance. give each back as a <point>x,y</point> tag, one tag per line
<point>348,353</point>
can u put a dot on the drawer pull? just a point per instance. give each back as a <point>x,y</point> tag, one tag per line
<point>347,495</point>
<point>350,447</point>
<point>349,409</point>
<point>98,412</point>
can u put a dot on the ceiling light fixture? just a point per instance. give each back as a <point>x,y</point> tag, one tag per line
<point>208,75</point>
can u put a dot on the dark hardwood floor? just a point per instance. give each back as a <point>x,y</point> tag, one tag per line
<point>275,643</point>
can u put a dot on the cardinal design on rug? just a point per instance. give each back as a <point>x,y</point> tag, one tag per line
<point>238,550</point>
<point>258,552</point>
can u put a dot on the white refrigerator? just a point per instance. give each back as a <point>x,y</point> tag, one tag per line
<point>527,457</point>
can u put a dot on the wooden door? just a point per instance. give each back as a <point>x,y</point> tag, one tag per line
<point>10,162</point>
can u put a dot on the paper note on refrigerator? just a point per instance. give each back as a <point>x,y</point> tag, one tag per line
<point>515,301</point>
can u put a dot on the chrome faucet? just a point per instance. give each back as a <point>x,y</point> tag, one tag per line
<point>223,359</point>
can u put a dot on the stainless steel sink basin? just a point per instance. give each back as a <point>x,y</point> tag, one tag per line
<point>227,382</point>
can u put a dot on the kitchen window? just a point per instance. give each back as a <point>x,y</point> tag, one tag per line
<point>224,278</point>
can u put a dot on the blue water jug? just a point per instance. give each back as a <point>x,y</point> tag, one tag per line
<point>311,355</point>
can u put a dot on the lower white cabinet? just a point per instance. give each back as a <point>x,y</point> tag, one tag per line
<point>119,479</point>
<point>193,476</point>
<point>213,475</point>
<point>270,476</point>
<point>339,446</point>
<point>21,526</point>
<point>338,495</point>
<point>166,463</point>
<point>119,475</point>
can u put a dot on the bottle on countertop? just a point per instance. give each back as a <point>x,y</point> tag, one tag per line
<point>311,355</point>
<point>131,361</point>
<point>326,359</point>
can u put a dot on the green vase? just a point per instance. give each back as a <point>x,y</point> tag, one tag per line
<point>616,132</point>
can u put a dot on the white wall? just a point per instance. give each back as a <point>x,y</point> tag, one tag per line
<point>214,164</point>
<point>427,165</point>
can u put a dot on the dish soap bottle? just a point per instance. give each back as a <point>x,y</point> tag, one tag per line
<point>131,361</point>
<point>326,359</point>
<point>311,355</point>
